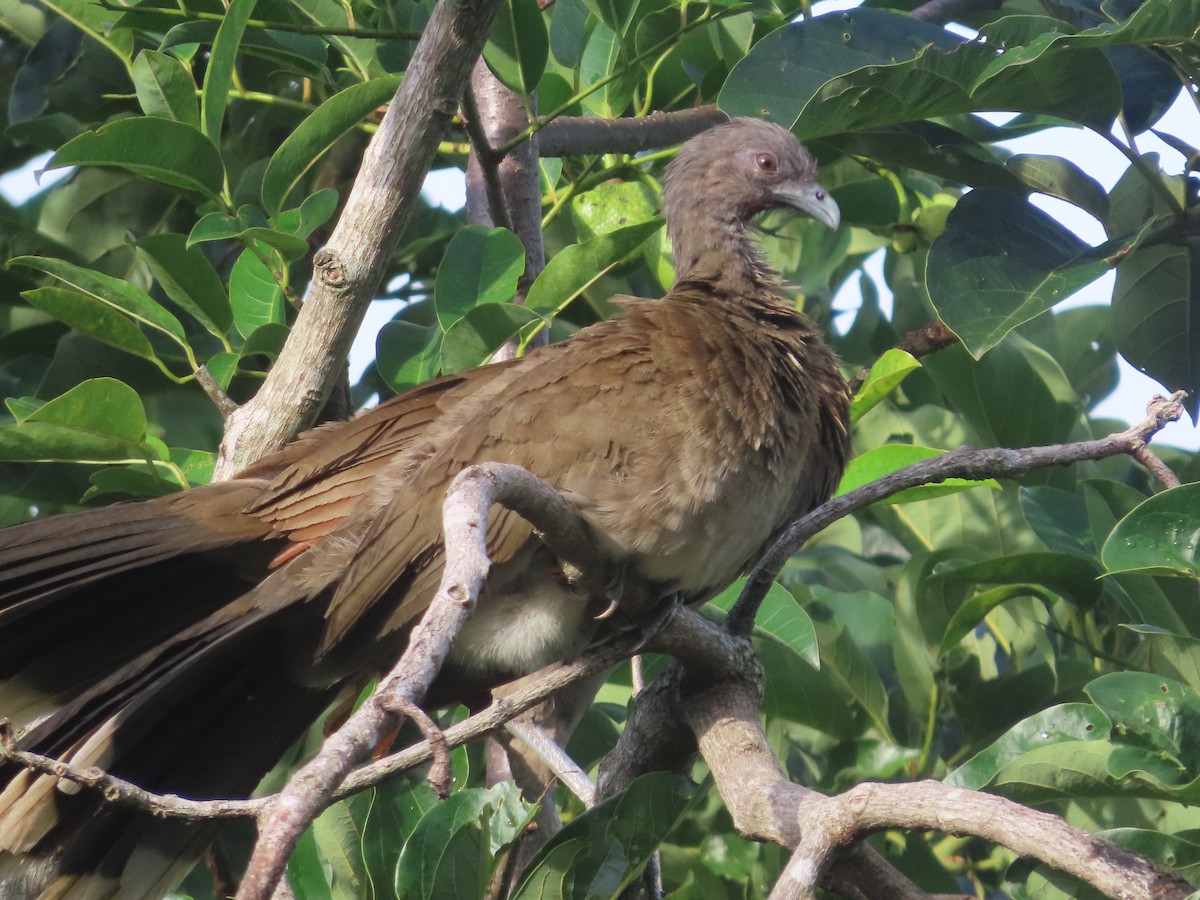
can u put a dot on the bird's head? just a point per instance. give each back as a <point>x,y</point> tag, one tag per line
<point>725,176</point>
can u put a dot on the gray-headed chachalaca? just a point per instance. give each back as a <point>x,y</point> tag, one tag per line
<point>183,643</point>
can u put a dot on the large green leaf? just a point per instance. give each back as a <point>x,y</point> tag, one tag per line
<point>1068,722</point>
<point>167,151</point>
<point>1000,262</point>
<point>114,292</point>
<point>481,266</point>
<point>1163,534</point>
<point>165,87</point>
<point>218,75</point>
<point>407,354</point>
<point>1156,315</point>
<point>454,848</point>
<point>869,68</point>
<point>302,148</point>
<point>93,317</point>
<point>99,420</point>
<point>779,618</point>
<point>188,278</point>
<point>518,46</point>
<point>885,376</point>
<point>1156,720</point>
<point>480,333</point>
<point>254,292</point>
<point>1153,22</point>
<point>599,853</point>
<point>579,266</point>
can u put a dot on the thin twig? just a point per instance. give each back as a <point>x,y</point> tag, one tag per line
<point>534,690</point>
<point>555,758</point>
<point>221,400</point>
<point>1156,466</point>
<point>924,341</point>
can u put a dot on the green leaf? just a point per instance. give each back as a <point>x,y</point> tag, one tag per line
<point>599,853</point>
<point>1156,315</point>
<point>254,294</point>
<point>250,225</point>
<point>165,87</point>
<point>874,464</point>
<point>1155,719</point>
<point>164,150</point>
<point>1001,262</point>
<point>114,292</point>
<point>480,333</point>
<point>1065,723</point>
<point>480,266</point>
<point>1057,177</point>
<point>407,354</point>
<point>568,31</point>
<point>1071,576</point>
<point>518,46</point>
<point>188,278</point>
<point>1058,771</point>
<point>858,678</point>
<point>885,376</point>
<point>99,420</point>
<point>579,266</point>
<point>315,211</point>
<point>218,76</point>
<point>310,139</point>
<point>1161,535</point>
<point>779,618</point>
<point>1153,22</point>
<point>1179,652</point>
<point>92,317</point>
<point>455,846</point>
<point>304,54</point>
<point>974,609</point>
<point>868,68</point>
<point>612,206</point>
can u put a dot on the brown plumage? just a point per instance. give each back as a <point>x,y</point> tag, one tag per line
<point>185,642</point>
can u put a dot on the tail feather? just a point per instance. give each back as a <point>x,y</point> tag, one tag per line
<point>119,648</point>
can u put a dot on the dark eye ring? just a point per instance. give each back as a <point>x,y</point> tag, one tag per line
<point>766,162</point>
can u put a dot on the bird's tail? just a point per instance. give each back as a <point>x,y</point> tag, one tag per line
<point>122,646</point>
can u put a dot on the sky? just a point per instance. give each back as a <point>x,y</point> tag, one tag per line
<point>1089,151</point>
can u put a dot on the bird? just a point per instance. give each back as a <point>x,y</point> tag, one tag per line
<point>185,642</point>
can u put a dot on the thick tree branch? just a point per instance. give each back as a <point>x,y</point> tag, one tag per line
<point>348,271</point>
<point>585,135</point>
<point>832,823</point>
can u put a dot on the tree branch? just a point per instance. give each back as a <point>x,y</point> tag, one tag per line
<point>586,135</point>
<point>831,823</point>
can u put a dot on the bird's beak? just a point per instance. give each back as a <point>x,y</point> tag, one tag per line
<point>809,197</point>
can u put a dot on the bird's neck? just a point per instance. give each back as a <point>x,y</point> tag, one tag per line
<point>717,248</point>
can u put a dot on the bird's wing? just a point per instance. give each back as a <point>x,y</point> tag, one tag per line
<point>564,414</point>
<point>313,483</point>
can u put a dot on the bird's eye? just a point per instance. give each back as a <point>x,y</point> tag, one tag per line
<point>766,162</point>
